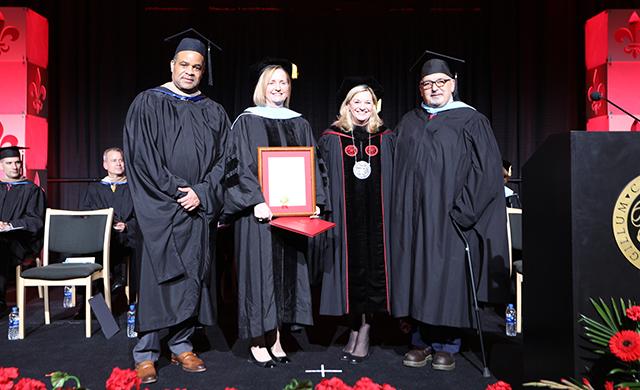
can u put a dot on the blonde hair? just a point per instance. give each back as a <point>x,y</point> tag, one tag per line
<point>260,92</point>
<point>344,120</point>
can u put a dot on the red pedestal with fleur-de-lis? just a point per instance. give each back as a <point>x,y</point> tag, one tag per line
<point>612,56</point>
<point>24,55</point>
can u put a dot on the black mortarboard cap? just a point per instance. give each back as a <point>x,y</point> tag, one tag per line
<point>288,66</point>
<point>194,41</point>
<point>350,82</point>
<point>439,63</point>
<point>10,151</point>
<point>193,45</point>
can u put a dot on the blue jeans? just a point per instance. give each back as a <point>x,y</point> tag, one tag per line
<point>440,338</point>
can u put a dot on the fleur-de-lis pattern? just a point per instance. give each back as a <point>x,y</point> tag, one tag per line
<point>7,140</point>
<point>7,34</point>
<point>37,92</point>
<point>631,34</point>
<point>596,86</point>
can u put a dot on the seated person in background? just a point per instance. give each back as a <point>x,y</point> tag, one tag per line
<point>22,209</point>
<point>113,191</point>
<point>512,198</point>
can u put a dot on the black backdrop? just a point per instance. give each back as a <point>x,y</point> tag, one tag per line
<point>525,62</point>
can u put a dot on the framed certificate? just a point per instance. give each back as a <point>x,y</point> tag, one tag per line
<point>287,178</point>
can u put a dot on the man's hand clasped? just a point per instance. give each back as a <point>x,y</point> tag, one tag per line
<point>190,201</point>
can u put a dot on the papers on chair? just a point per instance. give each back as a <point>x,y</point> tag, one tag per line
<point>79,260</point>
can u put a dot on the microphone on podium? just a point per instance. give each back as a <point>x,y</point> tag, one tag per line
<point>595,96</point>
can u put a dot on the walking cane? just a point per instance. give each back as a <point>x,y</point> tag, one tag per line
<point>485,370</point>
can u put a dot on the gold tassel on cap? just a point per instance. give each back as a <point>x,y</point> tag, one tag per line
<point>379,105</point>
<point>294,71</point>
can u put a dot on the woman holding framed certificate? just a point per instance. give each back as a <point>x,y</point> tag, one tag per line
<point>358,152</point>
<point>273,279</point>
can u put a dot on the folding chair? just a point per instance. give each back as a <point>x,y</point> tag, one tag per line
<point>79,233</point>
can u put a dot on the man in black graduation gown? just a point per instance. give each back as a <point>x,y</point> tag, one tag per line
<point>113,191</point>
<point>22,209</point>
<point>446,172</point>
<point>174,141</point>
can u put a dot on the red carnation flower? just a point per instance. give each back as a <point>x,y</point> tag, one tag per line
<point>29,384</point>
<point>332,384</point>
<point>634,313</point>
<point>365,383</point>
<point>608,385</point>
<point>500,385</point>
<point>123,380</point>
<point>625,345</point>
<point>8,374</point>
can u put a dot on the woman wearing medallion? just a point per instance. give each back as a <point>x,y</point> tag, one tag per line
<point>273,279</point>
<point>358,152</point>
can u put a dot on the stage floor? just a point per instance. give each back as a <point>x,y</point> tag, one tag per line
<point>62,346</point>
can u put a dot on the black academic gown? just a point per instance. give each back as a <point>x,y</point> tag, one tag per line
<point>23,204</point>
<point>355,253</point>
<point>446,167</point>
<point>173,142</point>
<point>100,195</point>
<point>273,279</point>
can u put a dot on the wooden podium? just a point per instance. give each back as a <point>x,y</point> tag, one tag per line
<point>580,241</point>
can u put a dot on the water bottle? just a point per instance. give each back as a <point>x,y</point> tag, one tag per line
<point>67,302</point>
<point>510,320</point>
<point>131,322</point>
<point>14,324</point>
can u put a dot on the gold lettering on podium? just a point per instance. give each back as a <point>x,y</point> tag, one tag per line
<point>625,222</point>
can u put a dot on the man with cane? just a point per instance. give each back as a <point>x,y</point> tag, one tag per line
<point>448,222</point>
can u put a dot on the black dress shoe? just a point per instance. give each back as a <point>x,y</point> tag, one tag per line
<point>417,357</point>
<point>359,359</point>
<point>268,364</point>
<point>361,341</point>
<point>443,361</point>
<point>281,360</point>
<point>345,356</point>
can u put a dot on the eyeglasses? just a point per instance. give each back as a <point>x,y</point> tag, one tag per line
<point>438,83</point>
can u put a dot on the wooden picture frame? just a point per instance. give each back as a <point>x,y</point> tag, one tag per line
<point>287,179</point>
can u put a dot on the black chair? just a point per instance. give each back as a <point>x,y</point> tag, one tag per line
<point>514,233</point>
<point>79,233</point>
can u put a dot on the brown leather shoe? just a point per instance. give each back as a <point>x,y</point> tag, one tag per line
<point>443,361</point>
<point>417,357</point>
<point>189,361</point>
<point>146,371</point>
